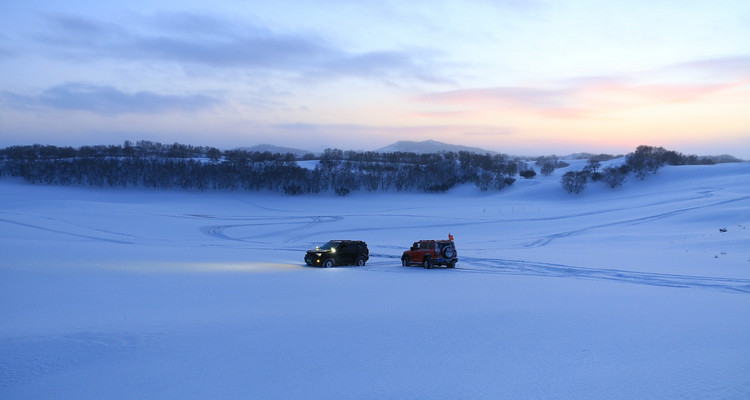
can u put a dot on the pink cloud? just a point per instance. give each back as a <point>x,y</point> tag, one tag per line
<point>594,97</point>
<point>526,97</point>
<point>658,93</point>
<point>734,67</point>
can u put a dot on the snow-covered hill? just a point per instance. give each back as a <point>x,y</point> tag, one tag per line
<point>429,146</point>
<point>638,292</point>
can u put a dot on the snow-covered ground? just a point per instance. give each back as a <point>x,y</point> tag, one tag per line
<point>633,293</point>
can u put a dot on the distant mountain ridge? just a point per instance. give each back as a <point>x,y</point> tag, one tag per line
<point>404,146</point>
<point>429,146</point>
<point>434,146</point>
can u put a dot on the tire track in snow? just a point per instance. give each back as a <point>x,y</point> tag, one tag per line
<point>296,223</point>
<point>543,241</point>
<point>46,229</point>
<point>477,265</point>
<point>634,221</point>
<point>533,268</point>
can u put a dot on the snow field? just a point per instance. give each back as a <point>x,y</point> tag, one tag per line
<point>618,294</point>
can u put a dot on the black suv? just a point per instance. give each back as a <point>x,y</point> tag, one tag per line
<point>339,252</point>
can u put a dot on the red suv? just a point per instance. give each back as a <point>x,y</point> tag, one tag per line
<point>428,253</point>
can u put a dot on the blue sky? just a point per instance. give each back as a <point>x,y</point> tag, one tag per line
<point>522,77</point>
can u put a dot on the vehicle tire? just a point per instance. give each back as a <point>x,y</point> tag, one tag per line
<point>360,262</point>
<point>328,263</point>
<point>404,262</point>
<point>427,263</point>
<point>448,252</point>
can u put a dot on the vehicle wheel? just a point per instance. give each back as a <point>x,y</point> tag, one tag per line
<point>449,252</point>
<point>328,263</point>
<point>451,265</point>
<point>360,262</point>
<point>404,262</point>
<point>427,263</point>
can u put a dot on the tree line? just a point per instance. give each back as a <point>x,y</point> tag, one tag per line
<point>644,161</point>
<point>155,165</point>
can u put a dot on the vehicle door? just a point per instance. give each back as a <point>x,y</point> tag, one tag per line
<point>415,254</point>
<point>431,250</point>
<point>423,250</point>
<point>343,253</point>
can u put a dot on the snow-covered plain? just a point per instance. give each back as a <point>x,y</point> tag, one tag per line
<point>632,293</point>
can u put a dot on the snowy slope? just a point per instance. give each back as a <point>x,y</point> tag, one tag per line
<point>617,294</point>
<point>429,146</point>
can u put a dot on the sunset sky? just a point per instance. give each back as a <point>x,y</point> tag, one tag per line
<point>520,77</point>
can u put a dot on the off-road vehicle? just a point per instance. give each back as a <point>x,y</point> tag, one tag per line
<point>429,253</point>
<point>339,252</point>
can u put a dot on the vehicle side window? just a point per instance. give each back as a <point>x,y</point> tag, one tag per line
<point>431,246</point>
<point>423,245</point>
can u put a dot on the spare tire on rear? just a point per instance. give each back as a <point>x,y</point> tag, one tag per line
<point>448,251</point>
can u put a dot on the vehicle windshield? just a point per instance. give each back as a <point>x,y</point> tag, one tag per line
<point>329,246</point>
